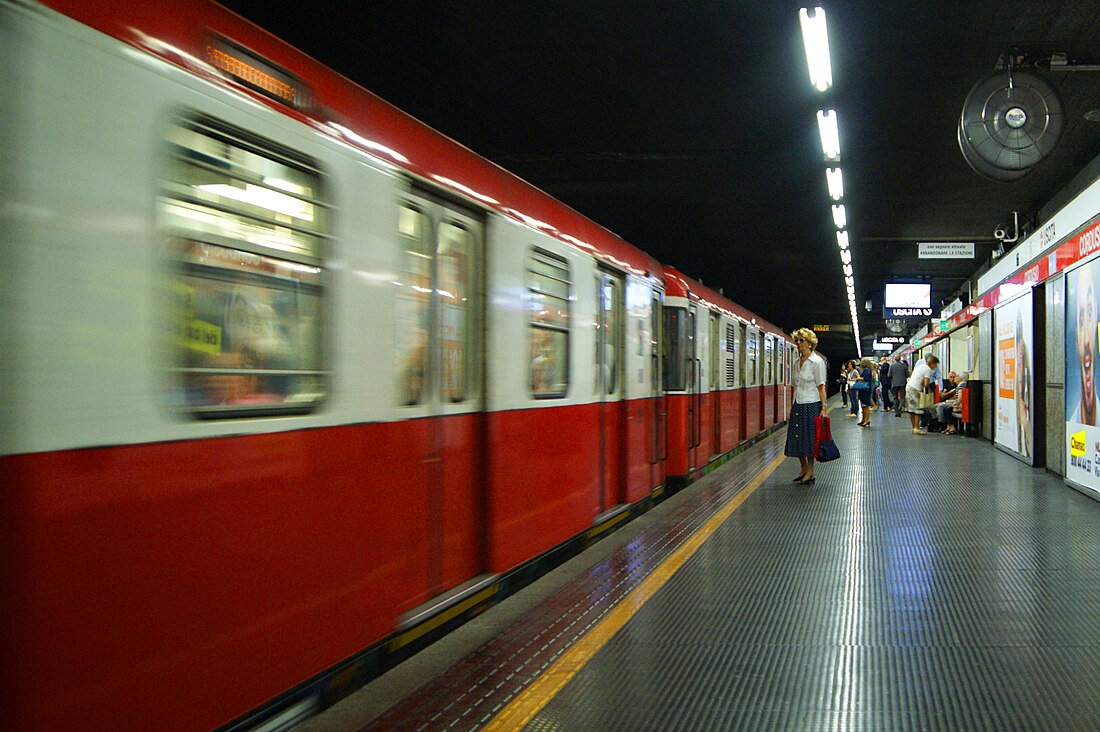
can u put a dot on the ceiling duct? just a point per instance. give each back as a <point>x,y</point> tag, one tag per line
<point>1011,120</point>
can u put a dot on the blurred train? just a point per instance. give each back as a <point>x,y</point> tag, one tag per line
<point>287,373</point>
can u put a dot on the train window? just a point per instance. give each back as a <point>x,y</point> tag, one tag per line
<point>247,227</point>
<point>751,349</point>
<point>655,343</point>
<point>454,283</point>
<point>731,355</point>
<point>675,337</point>
<point>413,304</point>
<point>548,293</point>
<point>769,360</point>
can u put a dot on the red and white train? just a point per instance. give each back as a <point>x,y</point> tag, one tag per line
<point>287,372</point>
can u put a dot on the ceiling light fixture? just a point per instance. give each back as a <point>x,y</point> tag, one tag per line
<point>846,256</point>
<point>850,281</point>
<point>847,270</point>
<point>836,183</point>
<point>829,130</point>
<point>815,37</point>
<point>842,239</point>
<point>838,216</point>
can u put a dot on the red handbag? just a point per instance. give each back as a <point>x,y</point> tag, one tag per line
<point>824,447</point>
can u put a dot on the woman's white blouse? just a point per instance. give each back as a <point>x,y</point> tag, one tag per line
<point>808,378</point>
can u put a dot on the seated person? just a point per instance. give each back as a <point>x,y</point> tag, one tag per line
<point>949,409</point>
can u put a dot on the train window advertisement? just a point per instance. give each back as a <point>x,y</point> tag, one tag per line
<point>1082,435</point>
<point>247,232</point>
<point>248,330</point>
<point>548,295</point>
<point>412,305</point>
<point>1014,427</point>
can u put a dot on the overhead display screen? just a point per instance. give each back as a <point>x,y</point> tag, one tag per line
<point>908,295</point>
<point>907,300</point>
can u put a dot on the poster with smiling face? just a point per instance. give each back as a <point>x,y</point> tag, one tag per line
<point>1014,428</point>
<point>1082,435</point>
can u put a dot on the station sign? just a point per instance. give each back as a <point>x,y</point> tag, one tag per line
<point>896,340</point>
<point>879,346</point>
<point>908,313</point>
<point>945,250</point>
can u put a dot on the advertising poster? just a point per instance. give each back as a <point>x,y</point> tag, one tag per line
<point>1013,424</point>
<point>1082,437</point>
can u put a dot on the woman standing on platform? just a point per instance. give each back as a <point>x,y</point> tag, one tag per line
<point>867,376</point>
<point>809,401</point>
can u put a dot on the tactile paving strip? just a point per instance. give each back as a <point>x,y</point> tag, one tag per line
<point>923,583</point>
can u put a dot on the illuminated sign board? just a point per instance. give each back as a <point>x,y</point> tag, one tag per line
<point>878,346</point>
<point>912,296</point>
<point>256,74</point>
<point>945,250</point>
<point>922,313</point>
<point>897,340</point>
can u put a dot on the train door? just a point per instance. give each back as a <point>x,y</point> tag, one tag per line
<point>658,400</point>
<point>715,388</point>
<point>780,371</point>
<point>438,317</point>
<point>609,387</point>
<point>693,388</point>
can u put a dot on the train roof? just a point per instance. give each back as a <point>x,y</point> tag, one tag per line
<point>677,284</point>
<point>183,32</point>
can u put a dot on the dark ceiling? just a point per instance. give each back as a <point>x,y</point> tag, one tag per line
<point>689,128</point>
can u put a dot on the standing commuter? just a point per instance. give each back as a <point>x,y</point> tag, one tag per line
<point>899,374</point>
<point>867,376</point>
<point>918,382</point>
<point>809,402</point>
<point>852,374</point>
<point>884,379</point>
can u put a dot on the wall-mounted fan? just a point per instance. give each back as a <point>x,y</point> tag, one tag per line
<point>1010,121</point>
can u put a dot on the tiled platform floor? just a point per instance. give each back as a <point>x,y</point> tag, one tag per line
<point>923,583</point>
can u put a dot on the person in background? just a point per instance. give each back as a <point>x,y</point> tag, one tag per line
<point>809,402</point>
<point>937,376</point>
<point>949,404</point>
<point>853,376</point>
<point>884,379</point>
<point>899,374</point>
<point>866,375</point>
<point>918,382</point>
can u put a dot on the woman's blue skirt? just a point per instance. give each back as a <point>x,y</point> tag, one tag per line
<point>802,431</point>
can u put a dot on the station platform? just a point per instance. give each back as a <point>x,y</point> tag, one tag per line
<point>922,583</point>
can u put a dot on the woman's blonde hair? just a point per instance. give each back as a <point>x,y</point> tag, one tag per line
<point>807,335</point>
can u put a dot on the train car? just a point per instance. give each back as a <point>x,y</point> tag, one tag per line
<point>285,368</point>
<point>727,377</point>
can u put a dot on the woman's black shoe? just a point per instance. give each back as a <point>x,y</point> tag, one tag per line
<point>806,481</point>
<point>797,480</point>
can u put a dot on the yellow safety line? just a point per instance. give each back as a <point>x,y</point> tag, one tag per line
<point>531,700</point>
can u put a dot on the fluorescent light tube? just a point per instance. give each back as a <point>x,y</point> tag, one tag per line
<point>815,38</point>
<point>830,134</point>
<point>839,217</point>
<point>836,183</point>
